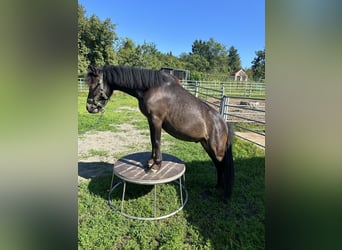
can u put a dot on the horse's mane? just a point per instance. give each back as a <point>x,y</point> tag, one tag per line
<point>134,78</point>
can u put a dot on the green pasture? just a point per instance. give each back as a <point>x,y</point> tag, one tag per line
<point>206,222</point>
<point>232,89</point>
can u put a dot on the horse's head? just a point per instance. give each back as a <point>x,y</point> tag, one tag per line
<point>99,92</point>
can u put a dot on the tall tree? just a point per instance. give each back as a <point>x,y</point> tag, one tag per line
<point>99,39</point>
<point>200,48</point>
<point>234,61</point>
<point>209,56</point>
<point>95,40</point>
<point>127,53</point>
<point>198,59</point>
<point>151,57</point>
<point>258,66</point>
<point>169,60</point>
<point>218,57</point>
<point>145,55</point>
<point>83,62</point>
<point>197,63</point>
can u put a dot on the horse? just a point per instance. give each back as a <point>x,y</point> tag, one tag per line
<point>167,105</point>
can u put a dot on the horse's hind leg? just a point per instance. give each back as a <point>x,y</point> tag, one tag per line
<point>219,173</point>
<point>218,165</point>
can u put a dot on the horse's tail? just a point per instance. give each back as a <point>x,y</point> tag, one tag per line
<point>228,165</point>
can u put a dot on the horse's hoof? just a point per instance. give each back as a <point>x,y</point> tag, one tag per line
<point>152,170</point>
<point>155,168</point>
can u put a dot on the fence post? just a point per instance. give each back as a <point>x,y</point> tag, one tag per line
<point>196,89</point>
<point>245,94</point>
<point>80,85</point>
<point>223,105</point>
<point>226,103</point>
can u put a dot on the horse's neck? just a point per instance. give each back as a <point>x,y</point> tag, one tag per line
<point>132,92</point>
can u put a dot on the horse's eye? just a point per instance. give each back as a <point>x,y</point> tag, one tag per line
<point>87,81</point>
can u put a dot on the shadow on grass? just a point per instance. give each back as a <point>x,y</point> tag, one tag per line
<point>100,174</point>
<point>238,224</point>
<point>89,170</point>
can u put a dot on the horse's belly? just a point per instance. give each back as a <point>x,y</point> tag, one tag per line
<point>185,133</point>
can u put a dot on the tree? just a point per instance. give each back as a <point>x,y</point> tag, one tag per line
<point>234,61</point>
<point>209,56</point>
<point>151,57</point>
<point>198,63</point>
<point>198,58</point>
<point>83,62</point>
<point>168,60</point>
<point>99,39</point>
<point>200,48</point>
<point>95,40</point>
<point>145,55</point>
<point>218,57</point>
<point>127,53</point>
<point>258,66</point>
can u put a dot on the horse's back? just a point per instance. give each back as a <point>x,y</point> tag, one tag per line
<point>187,117</point>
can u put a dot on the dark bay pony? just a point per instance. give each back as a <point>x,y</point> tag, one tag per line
<point>167,105</point>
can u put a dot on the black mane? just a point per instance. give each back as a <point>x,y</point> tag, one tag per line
<point>134,78</point>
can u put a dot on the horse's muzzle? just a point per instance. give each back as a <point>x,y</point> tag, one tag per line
<point>91,108</point>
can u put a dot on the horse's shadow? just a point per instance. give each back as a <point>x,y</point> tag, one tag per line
<point>206,210</point>
<point>215,218</point>
<point>89,170</point>
<point>100,175</point>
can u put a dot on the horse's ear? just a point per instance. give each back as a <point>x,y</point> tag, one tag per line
<point>92,69</point>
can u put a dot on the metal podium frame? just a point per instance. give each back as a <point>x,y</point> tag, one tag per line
<point>129,169</point>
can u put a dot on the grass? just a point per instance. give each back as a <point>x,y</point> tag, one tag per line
<point>238,126</point>
<point>236,89</point>
<point>94,152</point>
<point>204,223</point>
<point>126,111</point>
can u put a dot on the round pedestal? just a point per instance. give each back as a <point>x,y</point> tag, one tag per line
<point>131,169</point>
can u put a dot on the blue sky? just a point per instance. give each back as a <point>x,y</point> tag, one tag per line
<point>175,25</point>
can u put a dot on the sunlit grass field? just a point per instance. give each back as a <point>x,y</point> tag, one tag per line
<point>206,222</point>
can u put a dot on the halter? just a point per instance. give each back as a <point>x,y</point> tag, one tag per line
<point>100,94</point>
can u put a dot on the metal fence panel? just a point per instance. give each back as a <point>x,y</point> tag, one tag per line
<point>235,103</point>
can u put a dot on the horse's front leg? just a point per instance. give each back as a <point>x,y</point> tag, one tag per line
<point>153,139</point>
<point>154,163</point>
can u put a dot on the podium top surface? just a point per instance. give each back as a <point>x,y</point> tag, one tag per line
<point>132,168</point>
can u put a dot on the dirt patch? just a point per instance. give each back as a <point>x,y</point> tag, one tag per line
<point>252,137</point>
<point>103,147</point>
<point>108,144</point>
<point>99,150</point>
